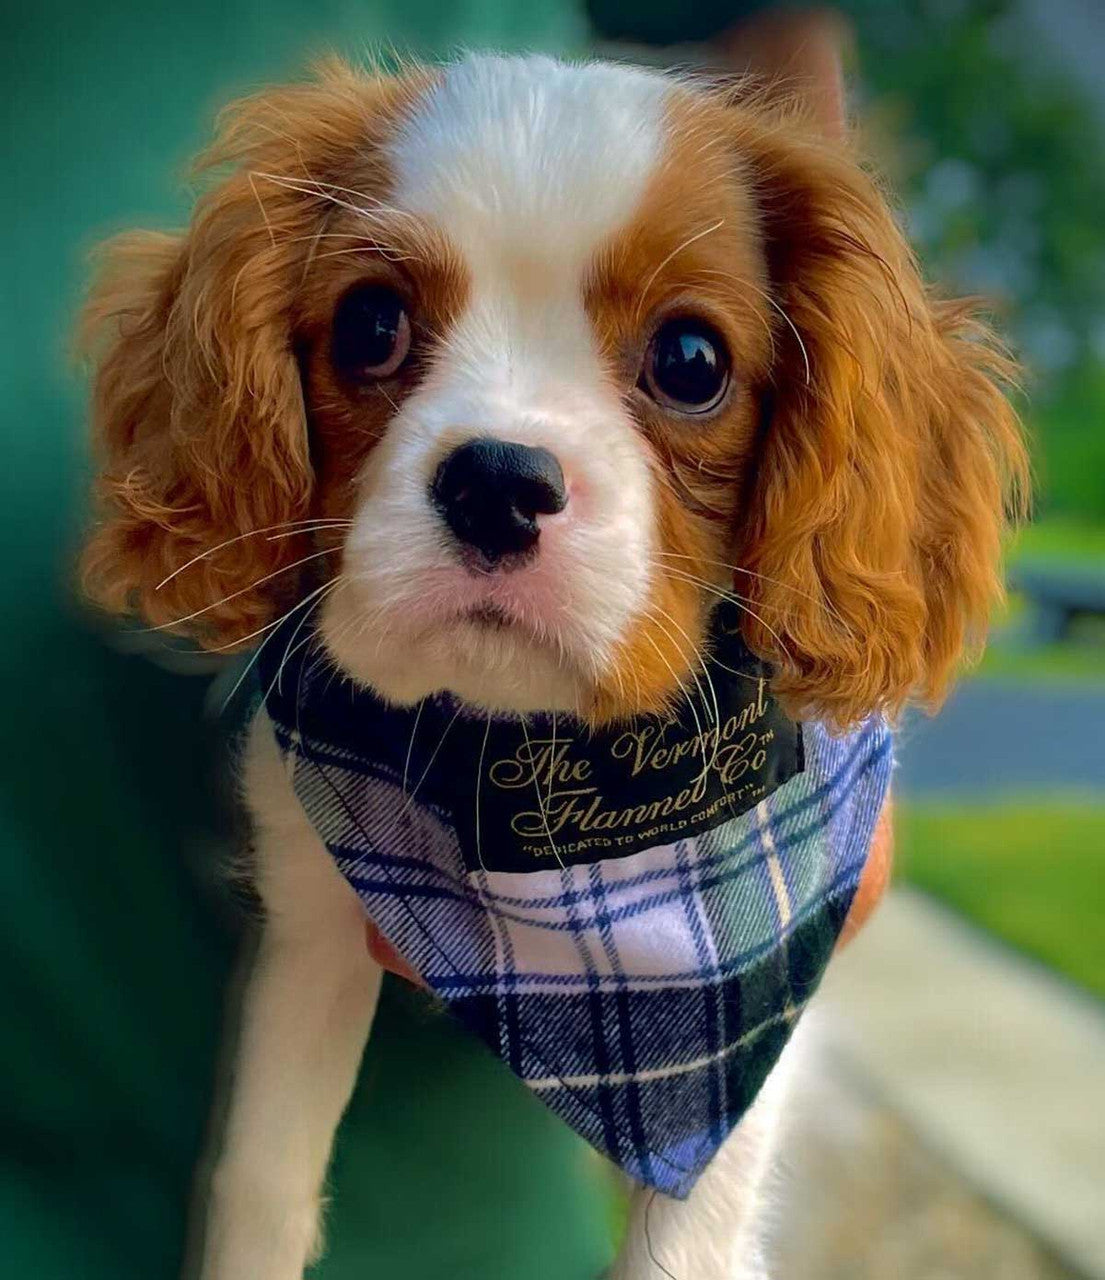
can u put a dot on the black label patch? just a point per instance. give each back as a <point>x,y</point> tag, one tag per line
<point>550,792</point>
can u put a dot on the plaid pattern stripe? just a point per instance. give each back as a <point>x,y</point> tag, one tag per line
<point>644,999</point>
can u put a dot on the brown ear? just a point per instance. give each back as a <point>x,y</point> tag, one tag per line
<point>892,458</point>
<point>199,427</point>
<point>197,407</point>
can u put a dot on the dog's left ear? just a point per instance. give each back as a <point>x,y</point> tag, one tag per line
<point>892,459</point>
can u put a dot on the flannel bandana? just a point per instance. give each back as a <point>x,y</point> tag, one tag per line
<point>644,997</point>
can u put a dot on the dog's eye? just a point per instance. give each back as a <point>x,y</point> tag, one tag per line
<point>686,366</point>
<point>371,334</point>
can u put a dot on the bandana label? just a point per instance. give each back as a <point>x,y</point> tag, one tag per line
<point>551,792</point>
<point>643,1000</point>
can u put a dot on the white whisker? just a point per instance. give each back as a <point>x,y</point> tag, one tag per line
<point>540,803</point>
<point>315,555</point>
<point>479,781</point>
<point>429,766</point>
<point>747,284</point>
<point>682,686</point>
<point>827,605</point>
<point>698,235</point>
<point>728,595</point>
<point>271,628</point>
<point>302,526</point>
<point>289,651</point>
<point>706,764</point>
<point>410,745</point>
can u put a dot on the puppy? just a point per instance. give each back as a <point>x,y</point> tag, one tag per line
<point>696,319</point>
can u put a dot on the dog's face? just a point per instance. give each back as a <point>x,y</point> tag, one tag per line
<point>507,372</point>
<point>508,408</point>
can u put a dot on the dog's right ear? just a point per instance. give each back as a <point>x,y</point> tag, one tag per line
<point>198,419</point>
<point>199,426</point>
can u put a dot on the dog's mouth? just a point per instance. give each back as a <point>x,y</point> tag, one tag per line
<point>511,642</point>
<point>489,617</point>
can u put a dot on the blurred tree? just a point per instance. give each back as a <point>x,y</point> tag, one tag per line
<point>1003,168</point>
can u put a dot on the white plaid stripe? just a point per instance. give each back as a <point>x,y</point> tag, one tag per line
<point>671,967</point>
<point>649,1074</point>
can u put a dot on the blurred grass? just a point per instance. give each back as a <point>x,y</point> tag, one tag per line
<point>1076,663</point>
<point>1068,443</point>
<point>1030,871</point>
<point>1068,541</point>
<point>1064,542</point>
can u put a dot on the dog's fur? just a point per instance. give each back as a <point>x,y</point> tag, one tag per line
<point>540,221</point>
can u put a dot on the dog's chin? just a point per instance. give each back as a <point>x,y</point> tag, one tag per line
<point>482,657</point>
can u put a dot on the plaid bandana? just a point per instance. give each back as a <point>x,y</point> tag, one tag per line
<point>643,990</point>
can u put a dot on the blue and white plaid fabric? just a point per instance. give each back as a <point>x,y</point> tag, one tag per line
<point>644,998</point>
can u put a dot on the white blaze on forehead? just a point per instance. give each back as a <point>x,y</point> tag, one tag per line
<point>529,167</point>
<point>531,157</point>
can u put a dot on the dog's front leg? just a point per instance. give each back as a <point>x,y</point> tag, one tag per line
<point>307,1010</point>
<point>718,1232</point>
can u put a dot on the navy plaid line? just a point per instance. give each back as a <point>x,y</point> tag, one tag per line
<point>522,1040</point>
<point>559,901</point>
<point>641,1065</point>
<point>403,898</point>
<point>510,1039</point>
<point>662,1013</point>
<point>570,897</point>
<point>631,1090</point>
<point>564,899</point>
<point>677,1139</point>
<point>643,905</point>
<point>595,1021</point>
<point>602,920</point>
<point>845,883</point>
<point>349,761</point>
<point>713,1008</point>
<point>427,892</point>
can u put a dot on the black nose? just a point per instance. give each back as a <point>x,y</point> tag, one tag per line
<point>491,493</point>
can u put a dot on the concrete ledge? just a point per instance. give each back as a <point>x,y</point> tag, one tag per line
<point>995,1063</point>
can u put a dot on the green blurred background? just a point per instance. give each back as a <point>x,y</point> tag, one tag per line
<point>115,940</point>
<point>989,117</point>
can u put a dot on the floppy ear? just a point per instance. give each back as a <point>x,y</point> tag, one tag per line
<point>891,459</point>
<point>199,426</point>
<point>197,409</point>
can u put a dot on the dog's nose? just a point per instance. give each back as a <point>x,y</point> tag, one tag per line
<point>490,493</point>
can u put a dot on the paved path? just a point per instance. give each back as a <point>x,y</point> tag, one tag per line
<point>861,1197</point>
<point>1000,737</point>
<point>996,1064</point>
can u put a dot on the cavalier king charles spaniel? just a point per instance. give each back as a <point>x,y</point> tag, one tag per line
<point>526,364</point>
